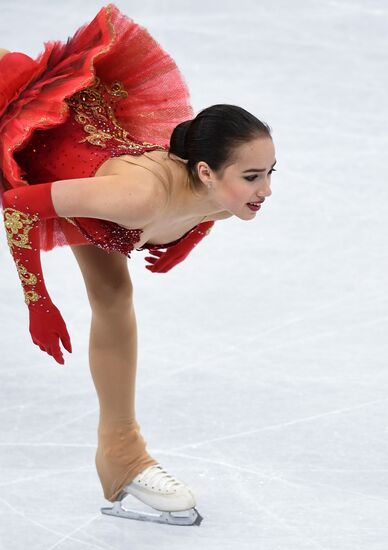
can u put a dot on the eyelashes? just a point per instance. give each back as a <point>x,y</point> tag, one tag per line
<point>252,178</point>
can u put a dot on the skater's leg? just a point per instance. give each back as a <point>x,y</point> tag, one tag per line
<point>121,452</point>
<point>3,52</point>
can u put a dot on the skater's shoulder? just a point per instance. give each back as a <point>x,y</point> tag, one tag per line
<point>147,168</point>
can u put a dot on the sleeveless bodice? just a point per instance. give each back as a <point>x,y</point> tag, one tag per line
<point>89,136</point>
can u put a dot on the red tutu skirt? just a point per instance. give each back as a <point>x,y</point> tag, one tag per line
<point>110,90</point>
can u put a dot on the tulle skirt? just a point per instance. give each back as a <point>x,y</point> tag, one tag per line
<point>109,90</point>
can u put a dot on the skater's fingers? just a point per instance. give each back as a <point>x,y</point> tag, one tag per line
<point>51,352</point>
<point>56,352</point>
<point>65,339</point>
<point>58,357</point>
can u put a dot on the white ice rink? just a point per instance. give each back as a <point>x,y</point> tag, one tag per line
<point>262,367</point>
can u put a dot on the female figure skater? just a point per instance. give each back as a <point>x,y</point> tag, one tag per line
<point>99,150</point>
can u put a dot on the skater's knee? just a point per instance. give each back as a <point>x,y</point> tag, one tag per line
<point>113,296</point>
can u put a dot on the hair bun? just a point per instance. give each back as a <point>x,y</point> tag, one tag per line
<point>179,138</point>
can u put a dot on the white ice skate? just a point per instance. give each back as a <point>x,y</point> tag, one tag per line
<point>160,490</point>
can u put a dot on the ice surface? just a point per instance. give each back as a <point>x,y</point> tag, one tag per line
<point>262,368</point>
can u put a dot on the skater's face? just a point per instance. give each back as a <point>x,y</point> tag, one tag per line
<point>246,180</point>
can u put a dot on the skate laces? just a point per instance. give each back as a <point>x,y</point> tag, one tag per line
<point>157,478</point>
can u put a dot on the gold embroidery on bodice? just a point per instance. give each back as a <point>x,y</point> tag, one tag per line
<point>93,112</point>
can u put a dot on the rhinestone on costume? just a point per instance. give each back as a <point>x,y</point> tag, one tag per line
<point>108,235</point>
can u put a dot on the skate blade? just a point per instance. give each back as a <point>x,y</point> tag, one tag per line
<point>188,517</point>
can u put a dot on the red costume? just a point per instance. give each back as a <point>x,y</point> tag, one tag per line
<point>111,90</point>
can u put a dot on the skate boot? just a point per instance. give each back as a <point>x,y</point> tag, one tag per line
<point>160,490</point>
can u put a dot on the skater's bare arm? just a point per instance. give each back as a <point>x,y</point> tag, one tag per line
<point>112,198</point>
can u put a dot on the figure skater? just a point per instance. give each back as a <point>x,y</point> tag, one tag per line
<point>100,151</point>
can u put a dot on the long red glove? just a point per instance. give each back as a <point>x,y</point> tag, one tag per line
<point>23,207</point>
<point>164,261</point>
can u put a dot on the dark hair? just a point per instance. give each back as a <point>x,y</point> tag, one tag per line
<point>213,135</point>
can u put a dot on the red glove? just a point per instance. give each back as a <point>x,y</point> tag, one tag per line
<point>23,208</point>
<point>175,254</point>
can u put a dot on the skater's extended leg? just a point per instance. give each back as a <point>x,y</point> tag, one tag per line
<point>3,52</point>
<point>121,452</point>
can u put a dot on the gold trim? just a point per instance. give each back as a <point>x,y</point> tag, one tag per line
<point>25,276</point>
<point>93,112</point>
<point>31,296</point>
<point>30,279</point>
<point>14,220</point>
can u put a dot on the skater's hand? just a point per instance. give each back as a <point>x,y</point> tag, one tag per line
<point>157,261</point>
<point>161,262</point>
<point>46,328</point>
